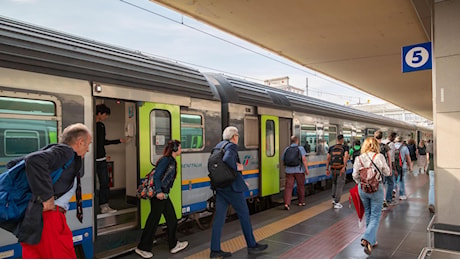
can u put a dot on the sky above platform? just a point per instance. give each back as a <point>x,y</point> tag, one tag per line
<point>154,30</point>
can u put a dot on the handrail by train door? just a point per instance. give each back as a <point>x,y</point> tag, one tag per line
<point>269,155</point>
<point>158,123</point>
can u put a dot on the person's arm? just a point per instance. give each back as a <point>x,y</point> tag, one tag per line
<point>305,164</point>
<point>390,163</point>
<point>346,156</point>
<point>231,156</point>
<point>408,160</point>
<point>160,169</point>
<point>328,172</point>
<point>356,167</point>
<point>384,166</point>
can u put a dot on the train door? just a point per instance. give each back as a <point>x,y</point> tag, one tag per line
<point>285,132</point>
<point>121,161</point>
<point>269,155</point>
<point>158,123</point>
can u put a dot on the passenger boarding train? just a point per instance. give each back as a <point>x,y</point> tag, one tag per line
<point>50,79</point>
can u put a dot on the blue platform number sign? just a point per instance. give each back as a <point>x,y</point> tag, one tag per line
<point>416,57</point>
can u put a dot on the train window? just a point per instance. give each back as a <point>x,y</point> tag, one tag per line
<point>308,134</point>
<point>270,138</point>
<point>191,131</point>
<point>347,136</point>
<point>330,135</point>
<point>22,106</point>
<point>251,132</point>
<point>160,127</point>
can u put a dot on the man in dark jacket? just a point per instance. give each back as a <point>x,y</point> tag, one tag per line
<point>232,195</point>
<point>44,232</point>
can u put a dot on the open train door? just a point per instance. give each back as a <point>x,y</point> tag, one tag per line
<point>158,123</point>
<point>269,155</point>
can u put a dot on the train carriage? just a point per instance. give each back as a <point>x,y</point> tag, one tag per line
<point>49,80</point>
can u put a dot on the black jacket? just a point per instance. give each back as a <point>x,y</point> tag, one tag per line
<point>39,165</point>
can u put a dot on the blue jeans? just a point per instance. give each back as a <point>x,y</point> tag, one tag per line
<point>402,185</point>
<point>431,190</point>
<point>224,197</point>
<point>390,181</point>
<point>372,203</point>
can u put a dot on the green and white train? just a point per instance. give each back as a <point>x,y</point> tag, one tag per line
<point>49,80</point>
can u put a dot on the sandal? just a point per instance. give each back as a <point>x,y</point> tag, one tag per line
<point>367,247</point>
<point>286,207</point>
<point>302,204</point>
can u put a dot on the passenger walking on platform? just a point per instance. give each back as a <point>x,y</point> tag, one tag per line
<point>44,232</point>
<point>385,151</point>
<point>296,167</point>
<point>164,176</point>
<point>232,195</point>
<point>372,202</point>
<point>337,159</point>
<point>402,164</point>
<point>390,180</point>
<point>422,157</point>
<point>102,113</point>
<point>355,151</point>
<point>412,153</point>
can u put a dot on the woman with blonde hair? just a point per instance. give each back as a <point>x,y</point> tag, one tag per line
<point>372,202</point>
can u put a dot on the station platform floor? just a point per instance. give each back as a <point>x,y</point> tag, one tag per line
<point>317,230</point>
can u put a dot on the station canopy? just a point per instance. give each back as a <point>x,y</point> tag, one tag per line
<point>357,42</point>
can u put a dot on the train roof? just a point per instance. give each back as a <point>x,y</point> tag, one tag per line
<point>235,90</point>
<point>28,47</point>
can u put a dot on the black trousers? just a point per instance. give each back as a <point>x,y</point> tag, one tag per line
<point>157,208</point>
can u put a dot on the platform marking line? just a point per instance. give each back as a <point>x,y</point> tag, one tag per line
<point>238,243</point>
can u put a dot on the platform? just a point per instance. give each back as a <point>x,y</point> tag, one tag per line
<point>319,231</point>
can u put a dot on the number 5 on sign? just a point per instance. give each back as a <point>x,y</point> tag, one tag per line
<point>416,57</point>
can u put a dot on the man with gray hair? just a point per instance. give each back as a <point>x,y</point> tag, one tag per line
<point>232,195</point>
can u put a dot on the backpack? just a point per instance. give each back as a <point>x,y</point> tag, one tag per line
<point>220,174</point>
<point>15,192</point>
<point>384,148</point>
<point>398,160</point>
<point>146,190</point>
<point>356,153</point>
<point>369,177</point>
<point>337,153</point>
<point>292,156</point>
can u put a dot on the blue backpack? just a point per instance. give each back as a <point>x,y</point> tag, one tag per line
<point>15,192</point>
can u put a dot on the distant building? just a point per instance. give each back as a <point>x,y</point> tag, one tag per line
<point>283,83</point>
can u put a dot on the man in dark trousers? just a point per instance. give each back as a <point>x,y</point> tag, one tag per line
<point>232,195</point>
<point>44,232</point>
<point>102,113</point>
<point>337,159</point>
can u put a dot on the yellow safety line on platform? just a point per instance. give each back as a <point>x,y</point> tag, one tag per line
<point>261,233</point>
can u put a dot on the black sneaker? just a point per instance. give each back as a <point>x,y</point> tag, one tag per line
<point>257,249</point>
<point>219,254</point>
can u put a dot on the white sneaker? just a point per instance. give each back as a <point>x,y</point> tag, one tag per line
<point>144,254</point>
<point>403,197</point>
<point>179,246</point>
<point>338,206</point>
<point>107,209</point>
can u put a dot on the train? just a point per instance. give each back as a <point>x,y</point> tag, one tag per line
<point>50,79</point>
